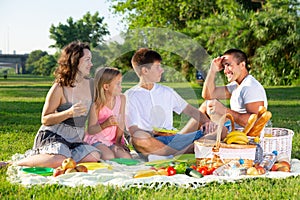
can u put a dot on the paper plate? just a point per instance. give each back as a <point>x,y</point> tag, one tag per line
<point>163,130</point>
<point>125,161</point>
<point>43,171</point>
<point>95,165</point>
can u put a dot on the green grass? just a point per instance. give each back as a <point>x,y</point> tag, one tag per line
<point>21,102</point>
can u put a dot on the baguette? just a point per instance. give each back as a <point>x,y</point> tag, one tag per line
<point>261,111</point>
<point>251,121</point>
<point>260,124</point>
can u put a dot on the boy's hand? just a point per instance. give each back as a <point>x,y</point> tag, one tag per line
<point>209,127</point>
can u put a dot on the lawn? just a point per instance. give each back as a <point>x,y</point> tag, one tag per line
<point>21,101</point>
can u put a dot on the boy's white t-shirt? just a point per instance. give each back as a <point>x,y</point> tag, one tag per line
<point>152,108</point>
<point>250,90</point>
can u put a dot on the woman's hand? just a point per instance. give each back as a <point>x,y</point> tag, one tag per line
<point>78,109</point>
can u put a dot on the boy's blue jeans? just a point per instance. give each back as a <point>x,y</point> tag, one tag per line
<point>180,141</point>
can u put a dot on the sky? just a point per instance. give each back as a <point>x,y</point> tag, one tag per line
<point>25,24</point>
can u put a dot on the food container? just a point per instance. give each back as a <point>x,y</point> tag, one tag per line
<point>206,156</point>
<point>279,139</point>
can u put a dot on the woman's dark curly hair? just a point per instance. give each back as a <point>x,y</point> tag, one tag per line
<point>68,63</point>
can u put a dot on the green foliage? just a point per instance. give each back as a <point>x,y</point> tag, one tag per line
<point>268,32</point>
<point>40,63</point>
<point>33,57</point>
<point>89,29</point>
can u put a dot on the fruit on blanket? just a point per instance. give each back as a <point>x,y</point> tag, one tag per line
<point>58,171</point>
<point>252,171</point>
<point>70,170</point>
<point>283,166</point>
<point>275,167</point>
<point>68,163</point>
<point>283,169</point>
<point>145,173</point>
<point>171,171</point>
<point>81,168</point>
<point>237,137</point>
<point>261,170</point>
<point>284,163</point>
<point>162,171</point>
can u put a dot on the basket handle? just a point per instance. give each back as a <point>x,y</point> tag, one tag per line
<point>230,117</point>
<point>219,130</point>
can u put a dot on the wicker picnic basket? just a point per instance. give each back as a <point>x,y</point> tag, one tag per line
<point>214,153</point>
<point>279,139</point>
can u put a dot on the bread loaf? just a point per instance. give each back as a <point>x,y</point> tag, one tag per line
<point>261,111</point>
<point>251,121</point>
<point>260,124</point>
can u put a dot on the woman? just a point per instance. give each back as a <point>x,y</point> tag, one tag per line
<point>65,112</point>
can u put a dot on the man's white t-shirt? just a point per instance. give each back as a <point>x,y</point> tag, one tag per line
<point>250,90</point>
<point>152,108</point>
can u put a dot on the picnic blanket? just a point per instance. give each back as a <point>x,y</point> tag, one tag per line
<point>115,174</point>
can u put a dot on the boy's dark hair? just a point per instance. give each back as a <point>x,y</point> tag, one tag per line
<point>144,57</point>
<point>239,55</point>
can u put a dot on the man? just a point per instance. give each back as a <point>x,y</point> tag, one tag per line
<point>151,105</point>
<point>246,94</point>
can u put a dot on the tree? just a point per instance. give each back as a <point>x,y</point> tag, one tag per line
<point>33,57</point>
<point>89,29</point>
<point>270,38</point>
<point>269,33</point>
<point>45,65</point>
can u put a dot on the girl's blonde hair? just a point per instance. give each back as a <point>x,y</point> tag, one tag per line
<point>103,75</point>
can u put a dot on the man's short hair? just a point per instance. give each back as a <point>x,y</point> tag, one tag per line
<point>239,55</point>
<point>144,57</point>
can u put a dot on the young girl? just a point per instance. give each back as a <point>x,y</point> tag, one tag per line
<point>106,120</point>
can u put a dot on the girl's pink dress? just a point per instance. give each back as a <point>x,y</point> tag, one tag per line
<point>108,135</point>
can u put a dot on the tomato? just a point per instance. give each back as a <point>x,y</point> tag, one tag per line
<point>171,171</point>
<point>211,170</point>
<point>203,170</point>
<point>193,167</point>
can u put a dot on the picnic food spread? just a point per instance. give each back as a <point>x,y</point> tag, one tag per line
<point>235,158</point>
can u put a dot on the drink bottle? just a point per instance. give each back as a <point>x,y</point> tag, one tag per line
<point>233,168</point>
<point>269,160</point>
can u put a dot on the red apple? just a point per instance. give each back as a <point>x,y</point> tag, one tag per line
<point>284,163</point>
<point>275,167</point>
<point>68,163</point>
<point>261,170</point>
<point>81,168</point>
<point>283,169</point>
<point>70,170</point>
<point>58,171</point>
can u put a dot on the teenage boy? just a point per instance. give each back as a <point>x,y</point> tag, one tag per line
<point>150,104</point>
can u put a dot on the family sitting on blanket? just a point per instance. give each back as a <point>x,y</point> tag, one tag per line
<point>70,101</point>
